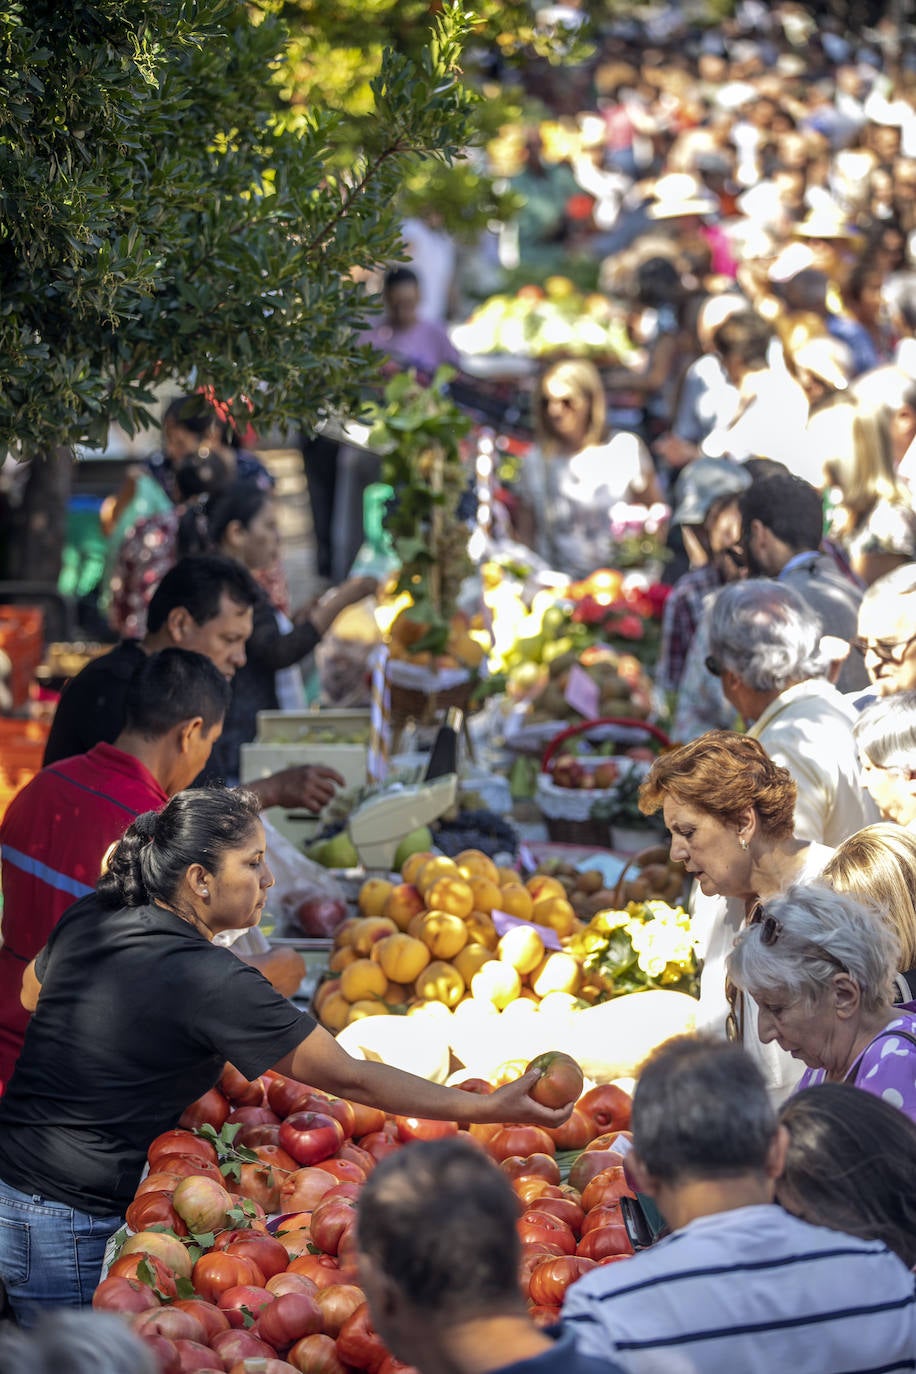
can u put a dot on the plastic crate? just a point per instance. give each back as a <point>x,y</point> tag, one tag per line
<point>22,747</point>
<point>22,640</point>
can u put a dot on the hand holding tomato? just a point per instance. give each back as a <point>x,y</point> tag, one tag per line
<point>514,1102</point>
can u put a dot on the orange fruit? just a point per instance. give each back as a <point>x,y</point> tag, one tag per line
<point>450,894</point>
<point>340,958</point>
<point>481,930</point>
<point>403,902</point>
<point>440,982</point>
<point>438,867</point>
<point>543,886</point>
<point>496,982</point>
<point>335,1012</point>
<point>370,929</point>
<point>557,913</point>
<point>443,933</point>
<point>360,1010</point>
<point>411,866</point>
<point>487,896</point>
<point>372,897</point>
<point>363,979</point>
<point>521,947</point>
<point>473,863</point>
<point>515,901</point>
<point>557,973</point>
<point>468,960</point>
<point>401,957</point>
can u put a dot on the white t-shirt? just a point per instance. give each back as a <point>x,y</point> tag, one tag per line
<point>572,498</point>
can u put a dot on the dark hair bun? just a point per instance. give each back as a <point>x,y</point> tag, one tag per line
<point>123,884</point>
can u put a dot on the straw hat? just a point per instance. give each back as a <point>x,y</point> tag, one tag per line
<point>824,221</point>
<point>828,359</point>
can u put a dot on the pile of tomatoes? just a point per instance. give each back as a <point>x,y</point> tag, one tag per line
<point>244,1259</point>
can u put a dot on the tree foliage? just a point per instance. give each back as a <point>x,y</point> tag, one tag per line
<point>164,213</point>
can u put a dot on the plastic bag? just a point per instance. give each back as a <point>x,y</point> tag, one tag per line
<point>297,880</point>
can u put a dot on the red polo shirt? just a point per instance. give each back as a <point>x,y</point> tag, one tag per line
<point>52,841</point>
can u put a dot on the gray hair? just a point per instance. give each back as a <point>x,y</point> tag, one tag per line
<point>767,634</point>
<point>78,1342</point>
<point>885,732</point>
<point>820,933</point>
<point>900,582</point>
<point>701,1110</point>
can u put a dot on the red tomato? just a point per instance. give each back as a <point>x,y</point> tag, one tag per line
<point>207,1313</point>
<point>216,1271</point>
<point>302,1191</point>
<point>253,1137</point>
<point>378,1144</point>
<point>291,1283</point>
<point>338,1302</point>
<point>210,1110</point>
<point>316,1355</point>
<point>418,1128</point>
<point>233,1346</point>
<point>603,1241</point>
<point>330,1219</point>
<point>590,1163</point>
<point>253,1116</point>
<point>365,1119</point>
<point>348,1256</point>
<point>561,1079</point>
<point>519,1140</point>
<point>243,1302</point>
<point>276,1157</point>
<point>160,1277</point>
<point>357,1155</point>
<point>605,1214</point>
<point>607,1186</point>
<point>154,1209</point>
<point>612,1140</point>
<point>575,1133</point>
<point>534,1226</point>
<point>188,1166</point>
<point>124,1295</point>
<point>157,1183</point>
<point>165,1352</point>
<point>311,1137</point>
<point>266,1252</point>
<point>551,1278</point>
<point>527,1189</point>
<point>296,1242</point>
<point>323,1270</point>
<point>531,1166</point>
<point>345,1169</point>
<point>241,1091</point>
<point>193,1356</point>
<point>608,1106</point>
<point>562,1207</point>
<point>284,1095</point>
<point>337,1107</point>
<point>171,1322</point>
<point>532,1256</point>
<point>288,1318</point>
<point>359,1344</point>
<point>180,1143</point>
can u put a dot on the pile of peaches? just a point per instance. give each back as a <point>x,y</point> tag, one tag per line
<point>432,938</point>
<point>242,1255</point>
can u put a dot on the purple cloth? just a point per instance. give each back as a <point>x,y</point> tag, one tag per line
<point>887,1068</point>
<point>425,345</point>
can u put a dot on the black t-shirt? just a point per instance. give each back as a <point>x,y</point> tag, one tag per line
<point>91,707</point>
<point>137,1015</point>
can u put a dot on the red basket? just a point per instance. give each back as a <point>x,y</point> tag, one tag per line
<point>22,640</point>
<point>583,726</point>
<point>590,832</point>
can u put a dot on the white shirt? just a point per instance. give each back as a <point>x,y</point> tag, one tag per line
<point>750,1291</point>
<point>808,729</point>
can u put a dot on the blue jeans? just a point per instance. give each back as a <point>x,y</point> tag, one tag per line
<point>50,1254</point>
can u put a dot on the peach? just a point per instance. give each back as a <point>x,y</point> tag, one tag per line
<point>555,912</point>
<point>410,869</point>
<point>372,897</point>
<point>516,901</point>
<point>404,901</point>
<point>487,895</point>
<point>541,885</point>
<point>473,863</point>
<point>453,895</point>
<point>443,933</point>
<point>481,929</point>
<point>372,928</point>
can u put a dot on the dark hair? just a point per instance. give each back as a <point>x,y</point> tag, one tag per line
<point>701,1110</point>
<point>203,529</point>
<point>851,1165</point>
<point>759,468</point>
<point>197,584</point>
<point>195,827</point>
<point>788,506</point>
<point>744,336</point>
<point>400,276</point>
<point>171,687</point>
<point>192,412</point>
<point>439,1219</point>
<point>201,473</point>
<point>658,282</point>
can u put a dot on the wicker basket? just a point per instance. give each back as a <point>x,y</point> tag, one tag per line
<point>591,833</point>
<point>407,703</point>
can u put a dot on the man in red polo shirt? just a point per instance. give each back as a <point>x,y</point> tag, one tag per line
<point>59,828</point>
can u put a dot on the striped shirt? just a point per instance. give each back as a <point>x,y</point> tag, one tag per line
<point>750,1291</point>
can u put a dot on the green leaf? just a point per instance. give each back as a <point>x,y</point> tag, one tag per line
<point>185,1287</point>
<point>248,1317</point>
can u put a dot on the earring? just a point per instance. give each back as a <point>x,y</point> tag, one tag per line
<point>205,891</point>
<point>742,841</point>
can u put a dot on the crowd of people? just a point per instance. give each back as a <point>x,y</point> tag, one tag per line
<point>750,195</point>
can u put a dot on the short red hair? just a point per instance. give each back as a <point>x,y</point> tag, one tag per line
<point>724,773</point>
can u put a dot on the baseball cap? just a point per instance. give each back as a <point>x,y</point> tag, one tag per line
<point>703,482</point>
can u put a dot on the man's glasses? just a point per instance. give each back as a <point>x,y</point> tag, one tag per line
<point>885,652</point>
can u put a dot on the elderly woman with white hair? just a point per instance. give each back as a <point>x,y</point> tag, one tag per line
<point>765,644</point>
<point>820,968</point>
<point>885,734</point>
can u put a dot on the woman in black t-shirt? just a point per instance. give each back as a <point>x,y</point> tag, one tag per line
<point>136,1011</point>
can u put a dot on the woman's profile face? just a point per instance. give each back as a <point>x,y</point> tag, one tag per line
<point>805,1031</point>
<point>237,893</point>
<point>892,791</point>
<point>259,544</point>
<point>708,849</point>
